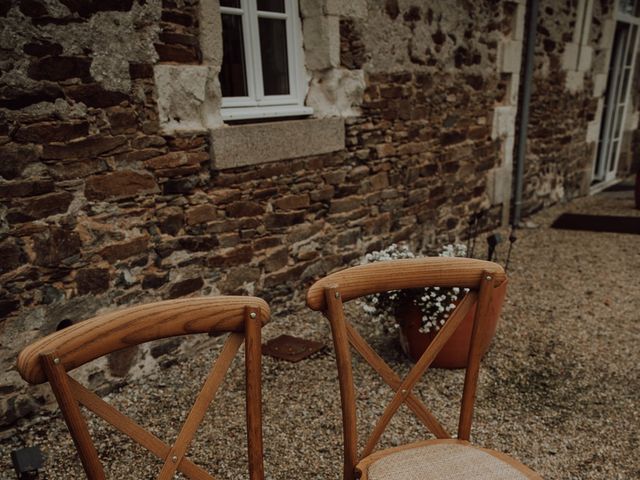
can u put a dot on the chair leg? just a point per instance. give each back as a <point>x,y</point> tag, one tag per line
<point>76,423</point>
<point>475,355</point>
<point>253,366</point>
<point>335,314</point>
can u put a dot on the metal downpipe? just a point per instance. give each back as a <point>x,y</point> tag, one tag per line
<point>532,10</point>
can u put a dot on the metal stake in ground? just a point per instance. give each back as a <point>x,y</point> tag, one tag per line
<point>493,240</point>
<point>512,240</point>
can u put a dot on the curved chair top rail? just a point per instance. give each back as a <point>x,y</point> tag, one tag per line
<point>376,277</point>
<point>103,334</point>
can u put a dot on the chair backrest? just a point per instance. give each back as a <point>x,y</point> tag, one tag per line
<point>330,293</point>
<point>50,358</point>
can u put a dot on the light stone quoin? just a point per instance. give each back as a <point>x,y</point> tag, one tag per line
<point>323,32</point>
<point>511,56</point>
<point>185,93</point>
<point>337,93</point>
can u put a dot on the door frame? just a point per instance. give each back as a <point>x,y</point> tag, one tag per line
<point>610,175</point>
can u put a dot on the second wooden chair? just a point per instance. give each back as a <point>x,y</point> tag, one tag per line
<point>443,457</point>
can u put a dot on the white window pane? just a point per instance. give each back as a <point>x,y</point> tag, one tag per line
<point>612,156</point>
<point>273,51</point>
<point>618,123</point>
<point>627,7</point>
<point>630,48</point>
<point>271,6</point>
<point>625,85</point>
<point>230,3</point>
<point>233,75</point>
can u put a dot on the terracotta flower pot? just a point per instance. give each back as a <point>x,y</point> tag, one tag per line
<point>455,351</point>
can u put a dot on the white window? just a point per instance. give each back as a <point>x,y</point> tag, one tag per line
<point>629,7</point>
<point>261,73</point>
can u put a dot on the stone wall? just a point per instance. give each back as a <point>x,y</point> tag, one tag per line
<point>99,208</point>
<point>89,187</point>
<point>558,157</point>
<point>567,99</point>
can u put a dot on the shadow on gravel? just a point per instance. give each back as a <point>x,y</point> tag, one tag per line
<point>597,223</point>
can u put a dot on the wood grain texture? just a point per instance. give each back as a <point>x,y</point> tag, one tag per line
<point>239,316</point>
<point>70,409</point>
<point>329,295</point>
<point>88,340</point>
<point>335,314</point>
<point>400,274</point>
<point>253,369</point>
<point>207,393</point>
<point>418,370</point>
<point>394,381</point>
<point>134,431</point>
<point>485,297</point>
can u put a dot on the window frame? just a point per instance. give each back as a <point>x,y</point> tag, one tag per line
<point>632,18</point>
<point>256,104</point>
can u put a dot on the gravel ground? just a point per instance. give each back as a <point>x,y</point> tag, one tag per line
<point>559,390</point>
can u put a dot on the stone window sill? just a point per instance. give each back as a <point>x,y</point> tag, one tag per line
<point>245,113</point>
<point>253,144</point>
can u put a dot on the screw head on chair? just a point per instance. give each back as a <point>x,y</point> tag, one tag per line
<point>253,315</point>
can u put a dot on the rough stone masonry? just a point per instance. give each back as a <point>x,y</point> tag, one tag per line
<point>101,208</point>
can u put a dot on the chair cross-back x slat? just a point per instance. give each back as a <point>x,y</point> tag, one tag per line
<point>402,387</point>
<point>328,296</point>
<point>394,381</point>
<point>127,426</point>
<point>403,391</point>
<point>50,358</point>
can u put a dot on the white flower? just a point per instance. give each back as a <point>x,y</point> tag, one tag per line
<point>435,303</point>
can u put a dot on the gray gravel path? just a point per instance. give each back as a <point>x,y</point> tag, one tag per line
<point>559,390</point>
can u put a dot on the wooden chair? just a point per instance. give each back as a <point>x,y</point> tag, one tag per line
<point>50,358</point>
<point>443,457</point>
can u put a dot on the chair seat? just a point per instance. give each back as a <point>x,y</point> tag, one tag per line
<point>442,459</point>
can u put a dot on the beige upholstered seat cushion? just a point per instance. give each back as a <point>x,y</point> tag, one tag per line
<point>450,460</point>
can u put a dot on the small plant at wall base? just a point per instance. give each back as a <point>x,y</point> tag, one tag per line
<point>434,303</point>
<point>418,314</point>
